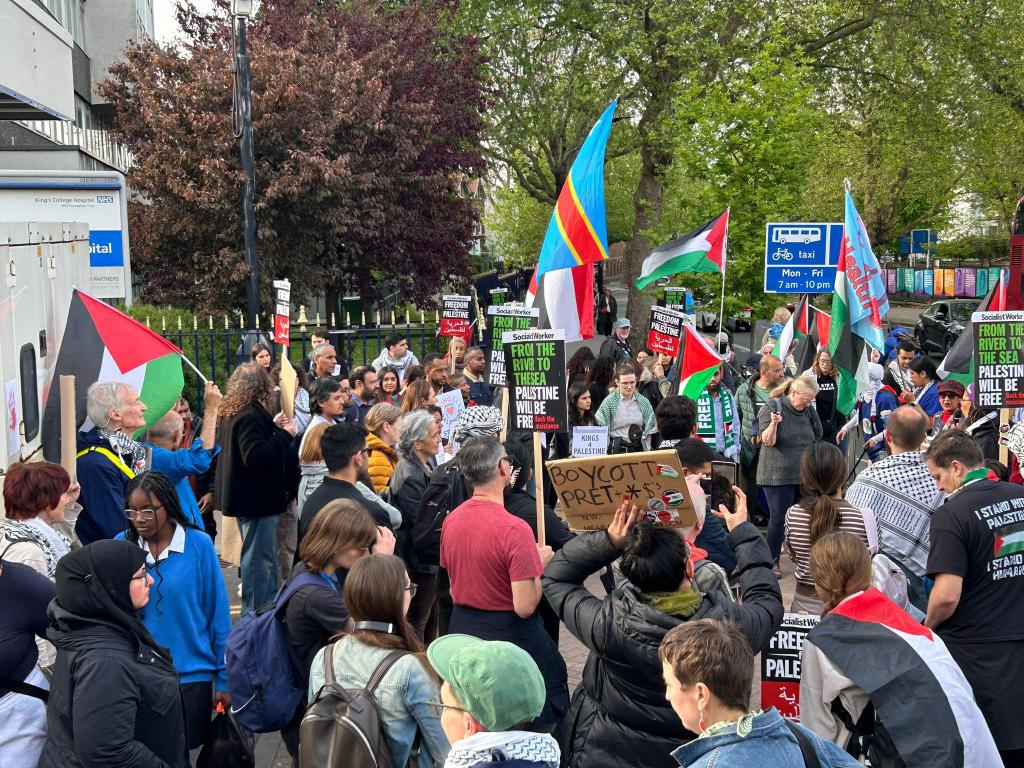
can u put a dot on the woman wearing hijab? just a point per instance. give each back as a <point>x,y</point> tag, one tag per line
<point>114,697</point>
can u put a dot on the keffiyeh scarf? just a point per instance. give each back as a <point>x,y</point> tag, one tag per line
<point>128,449</point>
<point>477,421</point>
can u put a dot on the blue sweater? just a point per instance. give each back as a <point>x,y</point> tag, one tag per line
<point>180,465</point>
<point>188,611</point>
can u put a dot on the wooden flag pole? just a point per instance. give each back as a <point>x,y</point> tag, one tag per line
<point>506,393</point>
<point>68,423</point>
<point>538,483</point>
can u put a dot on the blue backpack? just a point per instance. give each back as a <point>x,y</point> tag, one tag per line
<point>261,679</point>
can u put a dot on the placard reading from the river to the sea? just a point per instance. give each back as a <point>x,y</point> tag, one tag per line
<point>592,489</point>
<point>780,664</point>
<point>535,370</point>
<point>998,359</point>
<point>666,328</point>
<point>503,318</point>
<point>455,315</point>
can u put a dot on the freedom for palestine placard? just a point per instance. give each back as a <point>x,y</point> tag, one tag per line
<point>535,370</point>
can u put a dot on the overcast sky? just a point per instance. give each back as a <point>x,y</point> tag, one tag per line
<point>165,26</point>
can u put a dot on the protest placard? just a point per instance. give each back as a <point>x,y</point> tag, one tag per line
<point>592,489</point>
<point>504,318</point>
<point>536,380</point>
<point>451,405</point>
<point>589,441</point>
<point>282,311</point>
<point>666,328</point>
<point>780,664</point>
<point>998,359</point>
<point>455,315</point>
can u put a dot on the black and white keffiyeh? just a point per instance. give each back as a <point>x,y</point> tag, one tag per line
<point>477,421</point>
<point>134,454</point>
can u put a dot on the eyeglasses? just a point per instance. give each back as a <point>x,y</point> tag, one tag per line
<point>140,577</point>
<point>411,589</point>
<point>142,514</point>
<point>437,707</point>
<point>364,450</point>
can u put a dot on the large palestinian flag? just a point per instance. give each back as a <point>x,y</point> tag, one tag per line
<point>896,661</point>
<point>702,250</point>
<point>959,361</point>
<point>102,344</point>
<point>697,363</point>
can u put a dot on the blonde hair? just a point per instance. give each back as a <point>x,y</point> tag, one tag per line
<point>781,315</point>
<point>381,414</point>
<point>800,384</point>
<point>840,566</point>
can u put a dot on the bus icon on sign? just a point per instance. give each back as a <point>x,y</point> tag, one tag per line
<point>804,235</point>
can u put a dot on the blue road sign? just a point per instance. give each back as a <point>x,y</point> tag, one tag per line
<point>801,257</point>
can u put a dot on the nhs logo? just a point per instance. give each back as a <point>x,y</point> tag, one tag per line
<point>105,248</point>
<point>100,199</point>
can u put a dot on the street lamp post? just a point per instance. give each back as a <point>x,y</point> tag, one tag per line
<point>241,10</point>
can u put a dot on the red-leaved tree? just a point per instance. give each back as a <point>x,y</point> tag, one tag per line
<point>365,121</point>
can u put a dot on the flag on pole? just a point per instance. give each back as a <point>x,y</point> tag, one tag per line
<point>959,361</point>
<point>698,362</point>
<point>846,348</point>
<point>565,298</point>
<point>578,232</point>
<point>702,250</point>
<point>866,299</point>
<point>822,324</point>
<point>796,328</point>
<point>102,344</point>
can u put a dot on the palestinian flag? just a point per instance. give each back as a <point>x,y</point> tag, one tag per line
<point>816,331</point>
<point>1009,540</point>
<point>795,329</point>
<point>698,362</point>
<point>896,661</point>
<point>847,349</point>
<point>102,344</point>
<point>959,362</point>
<point>702,250</point>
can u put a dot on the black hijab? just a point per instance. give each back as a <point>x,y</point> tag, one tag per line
<point>95,582</point>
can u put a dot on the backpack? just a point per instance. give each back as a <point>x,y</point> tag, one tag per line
<point>868,737</point>
<point>446,491</point>
<point>342,727</point>
<point>261,679</point>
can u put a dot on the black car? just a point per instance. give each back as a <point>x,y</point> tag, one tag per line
<point>941,324</point>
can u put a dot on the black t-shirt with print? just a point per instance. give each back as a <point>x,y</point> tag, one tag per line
<point>978,534</point>
<point>825,402</point>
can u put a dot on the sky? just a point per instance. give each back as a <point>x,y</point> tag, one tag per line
<point>165,26</point>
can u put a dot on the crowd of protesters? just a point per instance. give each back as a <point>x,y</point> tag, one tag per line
<point>405,564</point>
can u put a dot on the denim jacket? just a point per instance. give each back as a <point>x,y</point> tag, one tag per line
<point>401,697</point>
<point>770,744</point>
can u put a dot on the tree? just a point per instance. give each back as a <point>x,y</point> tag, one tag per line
<point>366,120</point>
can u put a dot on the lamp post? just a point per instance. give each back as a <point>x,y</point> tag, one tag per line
<point>241,10</point>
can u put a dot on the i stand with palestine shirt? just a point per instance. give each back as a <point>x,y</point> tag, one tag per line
<point>978,534</point>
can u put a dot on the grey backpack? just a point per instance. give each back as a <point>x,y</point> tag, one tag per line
<point>342,727</point>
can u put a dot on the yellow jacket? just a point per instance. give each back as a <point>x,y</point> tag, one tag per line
<point>381,462</point>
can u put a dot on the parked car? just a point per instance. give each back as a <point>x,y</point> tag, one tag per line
<point>942,323</point>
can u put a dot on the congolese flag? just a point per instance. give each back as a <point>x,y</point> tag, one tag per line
<point>959,361</point>
<point>102,344</point>
<point>578,232</point>
<point>910,663</point>
<point>702,250</point>
<point>698,362</point>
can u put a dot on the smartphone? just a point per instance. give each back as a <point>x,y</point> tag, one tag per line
<point>724,475</point>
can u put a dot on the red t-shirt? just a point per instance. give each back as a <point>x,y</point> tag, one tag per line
<point>485,549</point>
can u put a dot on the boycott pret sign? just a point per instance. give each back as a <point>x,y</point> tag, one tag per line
<point>504,318</point>
<point>998,359</point>
<point>592,489</point>
<point>536,380</point>
<point>666,327</point>
<point>455,311</point>
<point>780,665</point>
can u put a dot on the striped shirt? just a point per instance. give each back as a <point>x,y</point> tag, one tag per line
<point>798,535</point>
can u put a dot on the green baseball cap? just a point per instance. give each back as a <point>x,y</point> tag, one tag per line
<point>497,682</point>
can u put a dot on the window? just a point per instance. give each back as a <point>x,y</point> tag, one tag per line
<point>29,393</point>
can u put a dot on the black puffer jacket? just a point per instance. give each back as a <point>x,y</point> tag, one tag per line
<point>619,715</point>
<point>112,701</point>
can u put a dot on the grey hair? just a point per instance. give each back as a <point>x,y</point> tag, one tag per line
<point>101,398</point>
<point>479,459</point>
<point>319,349</point>
<point>415,426</point>
<point>163,427</point>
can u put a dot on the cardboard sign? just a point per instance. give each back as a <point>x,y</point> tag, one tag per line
<point>589,441</point>
<point>666,328</point>
<point>998,359</point>
<point>282,311</point>
<point>536,379</point>
<point>452,406</point>
<point>780,665</point>
<point>501,319</point>
<point>592,489</point>
<point>455,315</point>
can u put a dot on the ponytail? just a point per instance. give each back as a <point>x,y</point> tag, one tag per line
<point>822,474</point>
